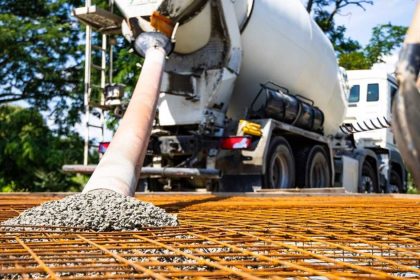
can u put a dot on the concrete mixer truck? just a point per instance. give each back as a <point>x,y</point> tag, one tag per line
<point>251,96</point>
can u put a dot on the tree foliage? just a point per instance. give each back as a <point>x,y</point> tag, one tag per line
<point>385,38</point>
<point>31,155</point>
<point>42,61</point>
<point>325,11</point>
<point>40,56</point>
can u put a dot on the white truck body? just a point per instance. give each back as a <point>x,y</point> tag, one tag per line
<point>282,44</point>
<point>371,96</point>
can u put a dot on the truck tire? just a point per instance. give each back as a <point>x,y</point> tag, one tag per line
<point>368,181</point>
<point>396,182</point>
<point>314,165</point>
<point>280,165</point>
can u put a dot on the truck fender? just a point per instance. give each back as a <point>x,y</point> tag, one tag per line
<point>247,162</point>
<point>258,155</point>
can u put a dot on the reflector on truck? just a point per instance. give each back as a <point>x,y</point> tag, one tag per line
<point>235,143</point>
<point>103,146</point>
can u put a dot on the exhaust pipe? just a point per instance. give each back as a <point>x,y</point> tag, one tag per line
<point>119,168</point>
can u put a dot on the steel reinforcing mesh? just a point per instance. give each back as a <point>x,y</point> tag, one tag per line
<point>302,237</point>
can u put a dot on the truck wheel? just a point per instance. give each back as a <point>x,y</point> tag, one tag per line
<point>313,162</point>
<point>368,182</point>
<point>280,165</point>
<point>396,183</point>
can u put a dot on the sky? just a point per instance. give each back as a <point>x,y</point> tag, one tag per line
<point>359,23</point>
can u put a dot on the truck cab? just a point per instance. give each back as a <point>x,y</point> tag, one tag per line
<point>371,96</point>
<point>369,112</point>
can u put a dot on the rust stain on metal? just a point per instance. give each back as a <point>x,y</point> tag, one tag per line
<point>303,237</point>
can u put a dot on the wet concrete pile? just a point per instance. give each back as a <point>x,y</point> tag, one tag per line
<point>99,210</point>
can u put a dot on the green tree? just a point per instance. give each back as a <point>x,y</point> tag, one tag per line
<point>41,55</point>
<point>42,58</point>
<point>412,188</point>
<point>324,13</point>
<point>385,38</point>
<point>32,156</point>
<point>355,60</point>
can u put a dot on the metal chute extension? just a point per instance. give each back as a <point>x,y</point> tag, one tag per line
<point>119,168</point>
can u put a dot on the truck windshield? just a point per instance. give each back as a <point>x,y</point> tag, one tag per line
<point>372,92</point>
<point>354,94</point>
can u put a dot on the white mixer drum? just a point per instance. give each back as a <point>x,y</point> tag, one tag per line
<point>282,44</point>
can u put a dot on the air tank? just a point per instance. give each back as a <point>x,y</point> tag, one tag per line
<point>279,42</point>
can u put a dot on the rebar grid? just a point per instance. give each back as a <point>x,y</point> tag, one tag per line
<point>314,237</point>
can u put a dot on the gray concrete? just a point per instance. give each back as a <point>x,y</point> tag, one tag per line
<point>99,210</point>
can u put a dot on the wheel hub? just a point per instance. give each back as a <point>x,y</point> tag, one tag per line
<point>367,184</point>
<point>319,172</point>
<point>280,172</point>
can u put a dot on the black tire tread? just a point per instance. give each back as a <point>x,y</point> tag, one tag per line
<point>275,141</point>
<point>368,168</point>
<point>301,156</point>
<point>302,163</point>
<point>395,179</point>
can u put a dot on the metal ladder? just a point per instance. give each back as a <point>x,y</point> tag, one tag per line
<point>105,23</point>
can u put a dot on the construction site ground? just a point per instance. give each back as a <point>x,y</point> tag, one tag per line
<point>267,235</point>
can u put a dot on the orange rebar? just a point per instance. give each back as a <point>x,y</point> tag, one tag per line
<point>289,236</point>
